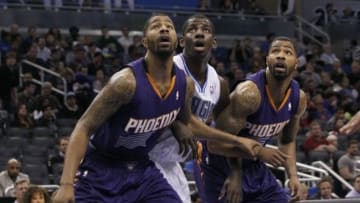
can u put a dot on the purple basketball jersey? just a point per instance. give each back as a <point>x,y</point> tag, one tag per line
<point>116,167</point>
<point>258,183</point>
<point>133,130</point>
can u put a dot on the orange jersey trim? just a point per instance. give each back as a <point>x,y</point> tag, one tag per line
<point>283,102</point>
<point>156,89</point>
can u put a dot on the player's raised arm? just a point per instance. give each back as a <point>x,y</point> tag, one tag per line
<point>118,91</point>
<point>287,144</point>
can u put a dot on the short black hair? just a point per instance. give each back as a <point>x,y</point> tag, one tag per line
<point>197,16</point>
<point>147,23</point>
<point>283,38</point>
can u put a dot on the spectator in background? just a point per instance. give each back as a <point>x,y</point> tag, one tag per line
<point>44,52</point>
<point>304,193</point>
<point>331,13</point>
<point>71,109</point>
<point>22,117</point>
<point>48,118</point>
<point>125,40</point>
<point>58,157</point>
<point>45,98</point>
<point>347,162</point>
<point>21,186</point>
<point>29,39</point>
<point>11,175</point>
<point>325,187</point>
<point>8,81</point>
<point>36,194</point>
<point>27,95</point>
<point>118,4</point>
<point>106,39</point>
<point>319,110</point>
<point>316,141</point>
<point>328,56</point>
<point>355,193</point>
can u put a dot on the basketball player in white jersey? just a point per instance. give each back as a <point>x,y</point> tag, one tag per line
<point>210,98</point>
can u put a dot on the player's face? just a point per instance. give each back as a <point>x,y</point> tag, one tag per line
<point>282,59</point>
<point>198,37</point>
<point>160,37</point>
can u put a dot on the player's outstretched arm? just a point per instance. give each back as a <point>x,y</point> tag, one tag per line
<point>287,143</point>
<point>352,126</point>
<point>244,100</point>
<point>117,92</point>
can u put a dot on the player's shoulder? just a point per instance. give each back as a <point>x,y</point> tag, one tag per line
<point>246,92</point>
<point>123,80</point>
<point>178,60</point>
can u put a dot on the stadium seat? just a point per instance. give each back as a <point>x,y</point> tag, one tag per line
<point>34,150</point>
<point>15,142</point>
<point>15,131</point>
<point>33,159</point>
<point>43,132</point>
<point>38,173</point>
<point>43,141</point>
<point>65,131</point>
<point>66,122</point>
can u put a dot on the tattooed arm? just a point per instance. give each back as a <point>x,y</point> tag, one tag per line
<point>117,92</point>
<point>287,144</point>
<point>202,131</point>
<point>244,100</point>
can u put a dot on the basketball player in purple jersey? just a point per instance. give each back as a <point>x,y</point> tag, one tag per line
<point>210,97</point>
<point>268,104</point>
<point>113,137</point>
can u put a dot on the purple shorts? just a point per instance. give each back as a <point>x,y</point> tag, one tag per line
<point>112,181</point>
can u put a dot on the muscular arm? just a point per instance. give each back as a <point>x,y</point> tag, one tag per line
<point>287,139</point>
<point>116,93</point>
<point>201,130</point>
<point>244,100</point>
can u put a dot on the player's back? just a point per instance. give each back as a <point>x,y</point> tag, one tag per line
<point>133,130</point>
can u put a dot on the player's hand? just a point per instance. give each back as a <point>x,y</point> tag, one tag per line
<point>274,157</point>
<point>232,190</point>
<point>352,126</point>
<point>295,187</point>
<point>249,147</point>
<point>65,194</point>
<point>185,138</point>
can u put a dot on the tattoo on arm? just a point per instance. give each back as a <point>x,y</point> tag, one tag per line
<point>117,92</point>
<point>244,100</point>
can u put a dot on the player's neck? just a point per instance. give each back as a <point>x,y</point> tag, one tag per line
<point>159,68</point>
<point>276,85</point>
<point>197,67</point>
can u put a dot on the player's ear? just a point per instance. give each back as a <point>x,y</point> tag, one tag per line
<point>181,41</point>
<point>296,64</point>
<point>144,42</point>
<point>214,43</point>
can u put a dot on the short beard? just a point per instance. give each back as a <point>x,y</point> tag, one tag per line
<point>164,54</point>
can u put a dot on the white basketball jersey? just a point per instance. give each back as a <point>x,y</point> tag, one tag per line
<point>165,153</point>
<point>207,95</point>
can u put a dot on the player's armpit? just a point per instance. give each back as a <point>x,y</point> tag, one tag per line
<point>117,92</point>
